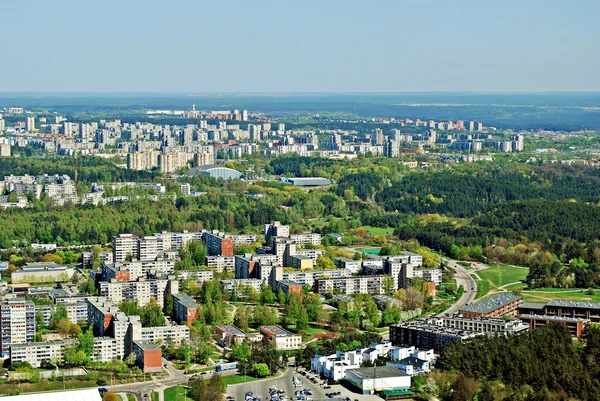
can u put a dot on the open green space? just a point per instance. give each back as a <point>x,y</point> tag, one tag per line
<point>119,398</point>
<point>12,388</point>
<point>130,397</point>
<point>497,276</point>
<point>565,294</point>
<point>177,393</point>
<point>154,396</point>
<point>237,379</point>
<point>378,230</point>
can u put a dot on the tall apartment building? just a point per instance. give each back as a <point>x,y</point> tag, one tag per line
<point>30,124</point>
<point>4,147</point>
<point>17,323</point>
<point>172,161</point>
<point>143,160</point>
<point>276,229</point>
<point>149,248</point>
<point>185,308</point>
<point>216,244</point>
<point>140,290</point>
<point>125,247</point>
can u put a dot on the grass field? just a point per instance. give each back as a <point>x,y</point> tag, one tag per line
<point>12,388</point>
<point>177,393</point>
<point>546,294</point>
<point>236,379</point>
<point>154,396</point>
<point>130,397</point>
<point>496,276</point>
<point>378,230</point>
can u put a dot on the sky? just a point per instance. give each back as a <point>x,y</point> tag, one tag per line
<point>196,46</point>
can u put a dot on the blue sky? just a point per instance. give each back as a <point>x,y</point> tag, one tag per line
<point>299,46</point>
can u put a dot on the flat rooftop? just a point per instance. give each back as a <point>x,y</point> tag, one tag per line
<point>146,345</point>
<point>554,318</point>
<point>492,303</point>
<point>379,372</point>
<point>276,331</point>
<point>574,304</point>
<point>532,305</point>
<point>231,330</point>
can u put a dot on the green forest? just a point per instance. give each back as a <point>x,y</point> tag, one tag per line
<point>544,216</point>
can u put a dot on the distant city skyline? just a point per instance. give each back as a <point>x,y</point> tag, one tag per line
<point>279,47</point>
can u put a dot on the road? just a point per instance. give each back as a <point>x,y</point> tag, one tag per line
<point>462,277</point>
<point>143,390</point>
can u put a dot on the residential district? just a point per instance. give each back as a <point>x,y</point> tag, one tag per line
<point>141,270</point>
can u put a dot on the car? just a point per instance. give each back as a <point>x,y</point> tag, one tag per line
<point>249,394</point>
<point>166,366</point>
<point>326,386</point>
<point>102,390</point>
<point>204,373</point>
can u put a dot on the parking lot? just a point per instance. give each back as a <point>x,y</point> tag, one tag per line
<point>284,382</point>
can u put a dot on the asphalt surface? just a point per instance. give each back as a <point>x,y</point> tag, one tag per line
<point>464,278</point>
<point>284,382</point>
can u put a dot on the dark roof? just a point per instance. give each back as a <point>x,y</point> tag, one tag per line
<point>532,305</point>
<point>377,372</point>
<point>492,303</point>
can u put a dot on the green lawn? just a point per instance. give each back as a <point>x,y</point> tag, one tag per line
<point>566,294</point>
<point>496,276</point>
<point>177,393</point>
<point>119,398</point>
<point>130,397</point>
<point>378,230</point>
<point>154,396</point>
<point>236,379</point>
<point>11,388</point>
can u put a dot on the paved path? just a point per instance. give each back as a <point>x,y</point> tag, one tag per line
<point>123,396</point>
<point>464,278</point>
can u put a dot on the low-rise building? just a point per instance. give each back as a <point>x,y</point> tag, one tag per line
<point>379,378</point>
<point>148,356</point>
<point>559,308</point>
<point>497,305</point>
<point>575,325</point>
<point>42,272</point>
<point>229,335</point>
<point>281,338</point>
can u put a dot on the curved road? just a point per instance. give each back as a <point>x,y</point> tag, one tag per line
<point>465,279</point>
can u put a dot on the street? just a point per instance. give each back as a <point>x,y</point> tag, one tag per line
<point>462,277</point>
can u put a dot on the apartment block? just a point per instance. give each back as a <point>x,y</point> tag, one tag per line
<point>125,247</point>
<point>217,245</point>
<point>140,290</point>
<point>564,309</point>
<point>221,263</point>
<point>36,353</point>
<point>276,229</point>
<point>185,308</point>
<point>350,285</point>
<point>17,323</point>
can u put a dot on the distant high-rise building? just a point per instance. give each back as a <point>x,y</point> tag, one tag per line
<point>30,124</point>
<point>244,115</point>
<point>377,139</point>
<point>4,150</point>
<point>479,127</point>
<point>517,142</point>
<point>281,127</point>
<point>471,125</point>
<point>2,125</point>
<point>254,132</point>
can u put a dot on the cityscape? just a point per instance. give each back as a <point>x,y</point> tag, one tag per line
<point>300,202</point>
